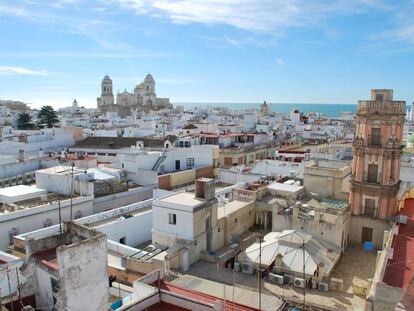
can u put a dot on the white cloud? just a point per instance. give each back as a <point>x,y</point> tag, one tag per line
<point>11,70</point>
<point>262,16</point>
<point>144,54</point>
<point>280,61</point>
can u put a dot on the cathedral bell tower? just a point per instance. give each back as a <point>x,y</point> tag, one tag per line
<point>107,96</point>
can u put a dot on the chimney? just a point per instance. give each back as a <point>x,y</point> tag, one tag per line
<point>320,271</point>
<point>20,157</point>
<point>205,189</point>
<point>278,262</point>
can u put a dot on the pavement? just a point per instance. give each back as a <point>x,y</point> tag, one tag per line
<point>357,265</point>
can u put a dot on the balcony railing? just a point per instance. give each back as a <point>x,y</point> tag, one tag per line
<point>381,107</point>
<point>374,179</point>
<point>374,141</point>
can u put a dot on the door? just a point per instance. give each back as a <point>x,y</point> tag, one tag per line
<point>177,165</point>
<point>366,235</point>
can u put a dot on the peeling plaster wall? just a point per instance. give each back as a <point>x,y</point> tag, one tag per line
<point>83,275</point>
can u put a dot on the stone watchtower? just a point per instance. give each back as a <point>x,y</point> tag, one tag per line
<point>376,162</point>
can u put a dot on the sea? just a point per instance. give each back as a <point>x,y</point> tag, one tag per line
<point>330,110</point>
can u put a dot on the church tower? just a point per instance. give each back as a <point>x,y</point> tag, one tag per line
<point>107,96</point>
<point>149,97</point>
<point>376,165</point>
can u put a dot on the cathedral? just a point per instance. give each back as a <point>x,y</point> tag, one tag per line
<point>143,99</point>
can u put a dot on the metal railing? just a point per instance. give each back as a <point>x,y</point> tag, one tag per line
<point>374,141</point>
<point>371,178</point>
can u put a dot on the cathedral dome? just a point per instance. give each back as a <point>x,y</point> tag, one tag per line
<point>139,86</point>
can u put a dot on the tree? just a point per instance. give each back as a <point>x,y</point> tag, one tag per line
<point>24,121</point>
<point>47,117</point>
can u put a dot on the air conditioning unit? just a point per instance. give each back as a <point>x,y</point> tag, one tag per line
<point>247,268</point>
<point>288,278</point>
<point>323,287</point>
<point>314,284</point>
<point>276,278</point>
<point>299,282</point>
<point>402,219</point>
<point>236,266</point>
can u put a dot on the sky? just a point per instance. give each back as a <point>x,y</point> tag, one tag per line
<point>207,51</point>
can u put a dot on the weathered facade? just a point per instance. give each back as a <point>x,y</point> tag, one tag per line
<point>376,164</point>
<point>69,269</point>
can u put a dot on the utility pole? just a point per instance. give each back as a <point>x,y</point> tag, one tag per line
<point>260,271</point>
<point>60,216</point>
<point>10,291</point>
<point>71,194</point>
<point>304,275</point>
<point>18,285</point>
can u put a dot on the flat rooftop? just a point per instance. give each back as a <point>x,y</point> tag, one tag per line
<point>183,198</point>
<point>231,207</point>
<point>62,170</point>
<point>284,187</point>
<point>37,201</point>
<point>114,218</point>
<point>330,164</point>
<point>14,193</point>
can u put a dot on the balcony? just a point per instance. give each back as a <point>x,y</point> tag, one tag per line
<point>372,178</point>
<point>369,107</point>
<point>374,141</point>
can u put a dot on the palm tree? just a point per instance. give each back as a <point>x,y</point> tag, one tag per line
<point>24,121</point>
<point>47,117</point>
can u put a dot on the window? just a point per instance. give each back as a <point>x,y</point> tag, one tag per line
<point>190,161</point>
<point>122,240</point>
<point>172,219</point>
<point>218,229</point>
<point>376,137</point>
<point>235,220</point>
<point>370,207</point>
<point>372,173</point>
